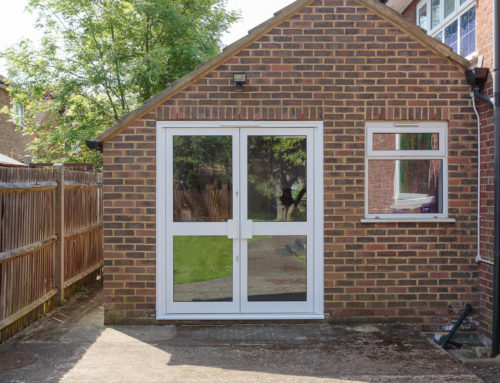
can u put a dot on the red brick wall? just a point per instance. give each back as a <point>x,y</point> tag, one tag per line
<point>337,62</point>
<point>12,142</point>
<point>410,13</point>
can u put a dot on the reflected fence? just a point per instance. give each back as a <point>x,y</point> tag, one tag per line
<point>50,240</point>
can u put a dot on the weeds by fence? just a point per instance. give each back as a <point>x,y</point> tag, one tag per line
<point>50,237</point>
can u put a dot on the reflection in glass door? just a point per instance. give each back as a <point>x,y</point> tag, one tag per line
<point>276,216</point>
<point>202,253</point>
<point>239,229</point>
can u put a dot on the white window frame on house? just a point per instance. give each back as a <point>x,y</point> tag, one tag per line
<point>444,22</point>
<point>440,128</point>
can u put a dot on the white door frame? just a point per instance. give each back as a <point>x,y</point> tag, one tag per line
<point>315,273</point>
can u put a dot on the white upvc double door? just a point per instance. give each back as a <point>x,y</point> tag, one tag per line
<point>239,214</point>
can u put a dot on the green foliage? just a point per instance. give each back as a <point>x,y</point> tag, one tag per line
<point>99,59</point>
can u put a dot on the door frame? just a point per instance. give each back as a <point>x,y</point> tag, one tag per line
<point>161,217</point>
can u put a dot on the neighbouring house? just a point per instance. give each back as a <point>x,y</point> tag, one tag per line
<point>468,27</point>
<point>12,142</point>
<point>322,167</point>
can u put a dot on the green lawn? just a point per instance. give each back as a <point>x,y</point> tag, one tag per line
<point>202,258</point>
<point>199,259</point>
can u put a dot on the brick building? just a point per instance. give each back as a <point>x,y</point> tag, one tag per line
<point>338,179</point>
<point>12,142</point>
<point>467,26</point>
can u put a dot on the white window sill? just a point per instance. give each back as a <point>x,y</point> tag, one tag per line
<point>409,220</point>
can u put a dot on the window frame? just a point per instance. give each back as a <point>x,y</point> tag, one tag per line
<point>444,22</point>
<point>440,128</point>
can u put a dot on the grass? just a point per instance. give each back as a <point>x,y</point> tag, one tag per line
<point>199,259</point>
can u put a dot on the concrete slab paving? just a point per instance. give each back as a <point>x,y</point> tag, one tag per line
<point>73,345</point>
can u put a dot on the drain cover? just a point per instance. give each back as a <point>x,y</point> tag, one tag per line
<point>12,360</point>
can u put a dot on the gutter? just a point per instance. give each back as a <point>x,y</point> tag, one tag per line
<point>495,347</point>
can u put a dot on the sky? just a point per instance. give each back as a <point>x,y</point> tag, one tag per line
<point>17,24</point>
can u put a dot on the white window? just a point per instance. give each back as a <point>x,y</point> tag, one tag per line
<point>18,114</point>
<point>406,171</point>
<point>452,22</point>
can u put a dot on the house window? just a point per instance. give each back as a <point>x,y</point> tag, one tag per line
<point>452,22</point>
<point>406,171</point>
<point>18,117</point>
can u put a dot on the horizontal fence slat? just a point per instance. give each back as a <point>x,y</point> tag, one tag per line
<point>27,309</point>
<point>82,186</point>
<point>83,274</point>
<point>24,187</point>
<point>84,230</point>
<point>11,254</point>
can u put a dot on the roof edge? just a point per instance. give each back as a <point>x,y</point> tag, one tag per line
<point>375,6</point>
<point>204,68</point>
<point>414,30</point>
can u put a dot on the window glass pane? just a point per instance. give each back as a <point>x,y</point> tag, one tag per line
<point>468,32</point>
<point>439,36</point>
<point>277,268</point>
<point>435,13</point>
<point>405,141</point>
<point>451,36</point>
<point>277,168</point>
<point>449,7</point>
<point>422,17</point>
<point>405,186</point>
<point>202,178</point>
<point>203,269</point>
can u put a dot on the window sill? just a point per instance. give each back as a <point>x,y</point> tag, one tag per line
<point>408,220</point>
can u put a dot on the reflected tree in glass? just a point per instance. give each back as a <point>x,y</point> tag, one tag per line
<point>277,178</point>
<point>202,178</point>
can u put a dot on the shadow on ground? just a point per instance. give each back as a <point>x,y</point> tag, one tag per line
<point>73,345</point>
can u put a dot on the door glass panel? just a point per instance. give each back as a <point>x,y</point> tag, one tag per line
<point>277,178</point>
<point>277,268</point>
<point>203,269</point>
<point>202,178</point>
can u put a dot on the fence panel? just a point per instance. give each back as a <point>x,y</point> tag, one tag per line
<point>28,236</point>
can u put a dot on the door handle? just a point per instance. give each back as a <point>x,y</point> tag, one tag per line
<point>232,229</point>
<point>247,229</point>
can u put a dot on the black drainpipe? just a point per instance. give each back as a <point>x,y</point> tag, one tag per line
<point>495,349</point>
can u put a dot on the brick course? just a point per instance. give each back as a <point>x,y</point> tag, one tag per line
<point>338,62</point>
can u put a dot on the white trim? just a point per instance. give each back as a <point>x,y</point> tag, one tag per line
<point>440,128</point>
<point>412,220</point>
<point>161,220</point>
<point>255,316</point>
<point>165,130</point>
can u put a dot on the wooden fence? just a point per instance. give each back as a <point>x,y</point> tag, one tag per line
<point>50,237</point>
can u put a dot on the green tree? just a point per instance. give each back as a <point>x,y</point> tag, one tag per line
<point>99,59</point>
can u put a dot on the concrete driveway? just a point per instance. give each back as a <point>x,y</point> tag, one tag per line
<point>73,345</point>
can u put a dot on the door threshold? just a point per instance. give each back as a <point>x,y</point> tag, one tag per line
<point>279,316</point>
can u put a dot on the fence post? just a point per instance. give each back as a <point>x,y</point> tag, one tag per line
<point>59,169</point>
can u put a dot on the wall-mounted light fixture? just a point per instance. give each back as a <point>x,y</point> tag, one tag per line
<point>239,79</point>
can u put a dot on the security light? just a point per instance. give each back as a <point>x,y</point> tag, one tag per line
<point>239,79</point>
